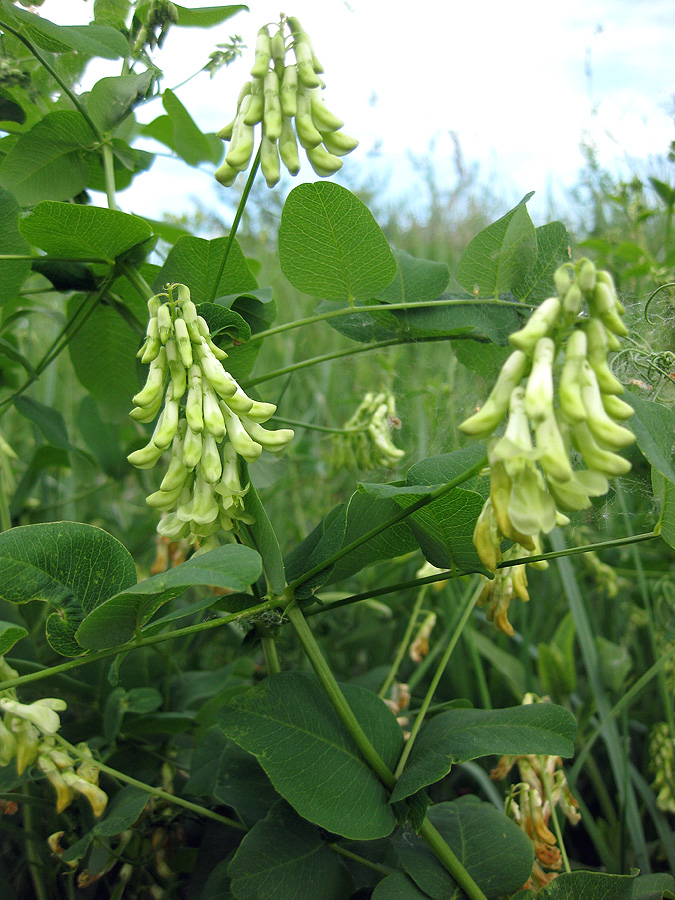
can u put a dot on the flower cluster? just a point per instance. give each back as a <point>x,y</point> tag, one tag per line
<point>277,95</point>
<point>662,764</point>
<point>365,441</point>
<point>27,733</point>
<point>528,805</point>
<point>201,491</point>
<point>509,582</point>
<point>531,472</point>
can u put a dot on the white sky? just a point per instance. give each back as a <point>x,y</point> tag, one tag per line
<point>510,79</point>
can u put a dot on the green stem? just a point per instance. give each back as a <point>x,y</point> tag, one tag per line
<point>445,855</point>
<point>269,646</point>
<point>135,278</point>
<point>235,224</point>
<point>109,173</point>
<point>554,814</point>
<point>384,308</point>
<point>575,551</point>
<point>648,605</point>
<point>323,672</point>
<point>429,696</point>
<point>337,698</point>
<point>403,514</point>
<point>69,330</point>
<point>312,427</point>
<point>376,867</point>
<point>46,258</point>
<point>155,792</point>
<point>352,351</point>
<point>380,592</point>
<point>74,99</point>
<point>135,644</point>
<point>33,861</point>
<point>400,653</point>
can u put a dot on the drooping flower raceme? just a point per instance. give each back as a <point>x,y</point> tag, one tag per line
<point>201,492</point>
<point>27,735</point>
<point>286,100</point>
<point>558,392</point>
<point>365,442</point>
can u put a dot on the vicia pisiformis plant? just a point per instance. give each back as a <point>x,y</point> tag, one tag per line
<point>201,492</point>
<point>532,474</point>
<point>285,98</point>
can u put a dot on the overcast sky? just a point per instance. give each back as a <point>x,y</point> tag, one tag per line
<point>519,83</point>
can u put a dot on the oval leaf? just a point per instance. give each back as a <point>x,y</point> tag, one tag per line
<point>331,246</point>
<point>459,735</point>
<point>290,725</point>
<point>71,566</point>
<point>116,621</point>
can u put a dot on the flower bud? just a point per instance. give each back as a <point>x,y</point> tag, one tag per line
<point>152,345</point>
<point>64,794</point>
<point>569,391</point>
<point>603,304</point>
<point>586,275</point>
<point>192,448</point>
<point>531,507</point>
<point>271,440</point>
<point>164,323</point>
<point>164,499</point>
<point>225,386</point>
<point>308,135</point>
<point>486,538</point>
<point>338,143</point>
<point>210,465</point>
<point>194,402</point>
<point>269,160</point>
<point>41,713</point>
<point>167,425</point>
<point>146,457</point>
<point>289,87</point>
<point>256,108</point>
<point>97,798</point>
<point>155,382</point>
<point>213,417</point>
<point>176,369</point>
<point>7,745</point>
<point>538,325</point>
<point>263,54</point>
<point>597,357</point>
<point>171,527</point>
<point>240,440</point>
<point>260,412</point>
<point>288,147</point>
<point>240,403</point>
<point>183,341</point>
<point>601,425</point>
<point>323,162</point>
<point>484,422</point>
<point>539,389</point>
<point>616,408</point>
<point>605,462</point>
<point>553,456</point>
<point>323,118</point>
<point>272,116</point>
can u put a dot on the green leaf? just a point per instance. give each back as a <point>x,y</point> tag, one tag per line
<point>556,665</point>
<point>102,439</point>
<point>111,12</point>
<point>128,162</point>
<point>49,162</point>
<point>290,725</point>
<point>66,229</point>
<point>195,262</point>
<point>509,667</point>
<point>49,421</point>
<point>653,425</point>
<point>398,887</point>
<point>331,246</point>
<point>72,567</point>
<point>463,318</point>
<point>459,735</point>
<point>553,249</point>
<point>664,491</point>
<point>500,257</point>
<point>285,858</point>
<point>264,538</point>
<point>112,99</point>
<point>13,273</point>
<point>492,848</point>
<point>652,887</point>
<point>416,280</point>
<point>89,40</point>
<point>115,621</point>
<point>103,354</point>
<point>222,770</point>
<point>340,527</point>
<point>589,886</point>
<point>179,131</point>
<point>444,527</point>
<point>125,809</point>
<point>10,634</point>
<point>206,16</point>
